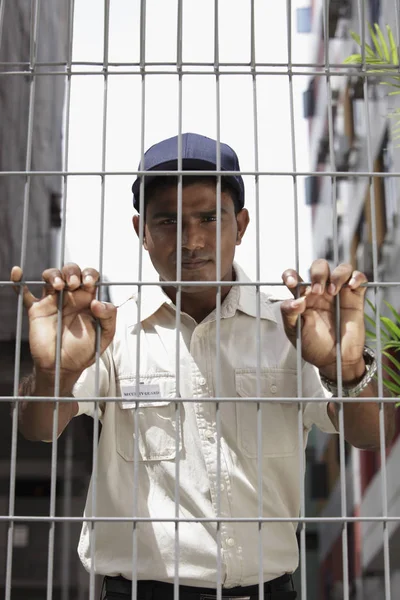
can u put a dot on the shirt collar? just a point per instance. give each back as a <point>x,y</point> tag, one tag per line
<point>247,298</point>
<point>242,298</point>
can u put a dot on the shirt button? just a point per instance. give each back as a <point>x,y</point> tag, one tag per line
<point>209,433</point>
<point>273,388</point>
<point>202,381</point>
<point>222,487</point>
<point>230,542</point>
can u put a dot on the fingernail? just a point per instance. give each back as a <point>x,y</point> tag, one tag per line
<point>298,302</point>
<point>332,288</point>
<point>88,279</point>
<point>317,288</point>
<point>57,280</point>
<point>290,280</point>
<point>73,280</point>
<point>352,281</point>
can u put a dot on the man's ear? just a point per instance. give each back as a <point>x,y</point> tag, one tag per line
<point>137,225</point>
<point>242,220</point>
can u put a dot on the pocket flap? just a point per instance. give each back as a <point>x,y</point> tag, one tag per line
<point>273,383</point>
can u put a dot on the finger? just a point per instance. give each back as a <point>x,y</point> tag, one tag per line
<point>356,280</point>
<point>319,274</point>
<point>54,281</point>
<point>106,313</point>
<point>291,310</point>
<point>28,298</point>
<point>292,279</point>
<point>339,276</point>
<point>89,278</point>
<point>72,276</point>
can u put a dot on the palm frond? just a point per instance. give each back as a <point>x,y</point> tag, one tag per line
<point>389,329</point>
<point>382,53</point>
<point>376,43</point>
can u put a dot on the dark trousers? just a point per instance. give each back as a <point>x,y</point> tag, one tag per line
<point>118,588</point>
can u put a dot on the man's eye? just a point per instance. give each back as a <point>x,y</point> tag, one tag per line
<point>168,222</point>
<point>210,219</point>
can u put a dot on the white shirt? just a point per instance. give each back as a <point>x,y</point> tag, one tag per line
<point>156,448</point>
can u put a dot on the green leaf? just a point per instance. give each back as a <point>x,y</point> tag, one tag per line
<point>392,359</point>
<point>353,58</point>
<point>375,41</point>
<point>384,45</point>
<point>371,322</point>
<point>393,46</point>
<point>394,345</point>
<point>393,311</point>
<point>392,328</point>
<point>370,334</point>
<point>397,85</point>
<point>357,39</point>
<point>371,305</point>
<point>395,376</point>
<point>392,387</point>
<point>385,336</point>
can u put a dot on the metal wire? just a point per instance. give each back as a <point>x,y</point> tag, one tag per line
<point>338,333</point>
<point>341,72</point>
<point>24,238</point>
<point>69,442</point>
<point>260,453</point>
<point>221,399</point>
<point>99,173</point>
<point>178,300</point>
<point>386,557</point>
<point>29,518</point>
<point>180,69</point>
<point>135,491</point>
<point>295,65</point>
<point>2,9</point>
<point>218,299</point>
<point>299,361</point>
<point>93,533</point>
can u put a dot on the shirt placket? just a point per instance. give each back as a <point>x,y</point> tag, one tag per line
<point>231,552</point>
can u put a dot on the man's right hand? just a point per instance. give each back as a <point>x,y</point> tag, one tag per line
<point>79,314</point>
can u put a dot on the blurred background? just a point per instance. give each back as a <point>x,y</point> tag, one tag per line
<point>79,90</point>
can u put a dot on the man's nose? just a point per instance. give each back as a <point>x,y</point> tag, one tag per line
<point>192,237</point>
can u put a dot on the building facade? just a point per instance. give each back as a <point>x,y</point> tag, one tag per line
<point>351,131</point>
<point>31,130</point>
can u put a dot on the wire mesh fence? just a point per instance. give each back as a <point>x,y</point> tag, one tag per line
<point>194,441</point>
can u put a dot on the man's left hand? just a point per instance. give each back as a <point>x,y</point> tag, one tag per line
<point>315,305</point>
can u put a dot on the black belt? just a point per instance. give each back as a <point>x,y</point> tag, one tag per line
<point>118,588</point>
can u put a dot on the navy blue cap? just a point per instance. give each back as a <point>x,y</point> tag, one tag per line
<point>199,153</point>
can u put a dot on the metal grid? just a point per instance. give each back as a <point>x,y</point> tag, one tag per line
<point>106,69</point>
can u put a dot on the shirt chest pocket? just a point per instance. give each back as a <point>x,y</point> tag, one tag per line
<point>155,415</point>
<point>279,419</point>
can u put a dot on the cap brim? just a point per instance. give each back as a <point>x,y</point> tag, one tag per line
<point>187,165</point>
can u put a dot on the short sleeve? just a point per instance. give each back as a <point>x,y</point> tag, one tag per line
<point>85,387</point>
<point>315,412</point>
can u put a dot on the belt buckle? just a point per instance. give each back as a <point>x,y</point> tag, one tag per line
<point>213,597</point>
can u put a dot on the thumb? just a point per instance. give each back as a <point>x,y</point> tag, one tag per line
<point>106,313</point>
<point>291,309</point>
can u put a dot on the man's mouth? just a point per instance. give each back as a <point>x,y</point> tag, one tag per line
<point>194,264</point>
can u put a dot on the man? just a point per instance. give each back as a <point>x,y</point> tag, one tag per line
<point>218,478</point>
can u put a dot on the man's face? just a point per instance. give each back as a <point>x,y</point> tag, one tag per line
<point>199,233</point>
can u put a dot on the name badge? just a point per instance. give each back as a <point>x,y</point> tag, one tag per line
<point>148,395</point>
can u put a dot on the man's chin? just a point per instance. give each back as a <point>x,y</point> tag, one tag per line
<point>206,273</point>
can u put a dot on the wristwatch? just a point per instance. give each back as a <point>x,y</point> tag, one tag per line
<point>354,391</point>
